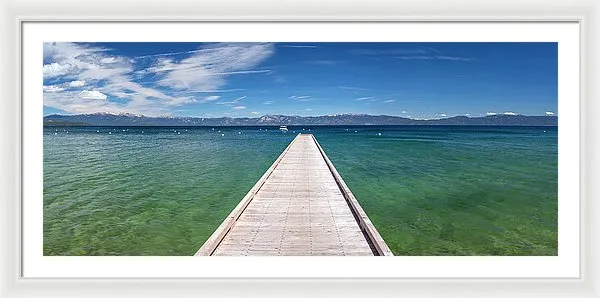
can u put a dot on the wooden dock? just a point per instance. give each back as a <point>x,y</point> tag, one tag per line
<point>299,207</point>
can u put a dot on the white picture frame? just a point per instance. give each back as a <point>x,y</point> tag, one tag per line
<point>14,14</point>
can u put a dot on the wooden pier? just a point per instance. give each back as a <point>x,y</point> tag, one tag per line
<point>299,207</point>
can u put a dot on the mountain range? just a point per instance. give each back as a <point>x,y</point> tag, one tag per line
<point>127,119</point>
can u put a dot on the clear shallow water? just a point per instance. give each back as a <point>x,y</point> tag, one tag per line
<point>429,190</point>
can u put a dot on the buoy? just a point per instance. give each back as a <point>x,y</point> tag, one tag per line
<point>97,131</point>
<point>379,134</point>
<point>55,133</point>
<point>239,132</point>
<point>109,133</point>
<point>178,133</point>
<point>355,131</point>
<point>222,134</point>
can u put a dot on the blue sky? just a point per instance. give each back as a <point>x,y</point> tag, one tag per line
<point>416,80</point>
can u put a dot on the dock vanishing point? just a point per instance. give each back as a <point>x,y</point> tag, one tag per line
<point>301,206</point>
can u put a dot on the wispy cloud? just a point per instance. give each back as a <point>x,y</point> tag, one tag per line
<point>92,94</point>
<point>425,53</point>
<point>436,57</point>
<point>442,115</point>
<point>255,113</point>
<point>510,113</point>
<point>53,88</point>
<point>298,46</point>
<point>354,88</point>
<point>364,98</point>
<point>117,80</point>
<point>171,54</point>
<point>549,113</point>
<point>212,98</point>
<point>299,98</point>
<point>232,102</point>
<point>323,62</point>
<point>491,113</point>
<point>76,84</point>
<point>268,102</point>
<point>399,51</point>
<point>214,91</point>
<point>207,70</point>
<point>109,76</point>
<point>238,108</point>
<point>56,69</point>
<point>389,101</point>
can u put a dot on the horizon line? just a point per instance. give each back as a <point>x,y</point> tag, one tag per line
<point>284,115</point>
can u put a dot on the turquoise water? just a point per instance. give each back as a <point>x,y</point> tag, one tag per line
<point>429,190</point>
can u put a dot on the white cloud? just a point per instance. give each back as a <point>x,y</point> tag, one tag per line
<point>268,102</point>
<point>451,58</point>
<point>110,60</point>
<point>255,113</point>
<point>214,91</point>
<point>490,113</point>
<point>354,88</point>
<point>389,101</point>
<point>168,54</point>
<point>93,94</point>
<point>212,98</point>
<point>510,113</point>
<point>404,112</point>
<point>76,83</point>
<point>53,88</point>
<point>231,102</point>
<point>308,109</point>
<point>238,107</point>
<point>323,62</point>
<point>56,69</point>
<point>549,113</point>
<point>364,98</point>
<point>207,70</point>
<point>113,76</point>
<point>442,115</point>
<point>296,97</point>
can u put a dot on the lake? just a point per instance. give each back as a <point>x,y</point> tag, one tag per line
<point>429,190</point>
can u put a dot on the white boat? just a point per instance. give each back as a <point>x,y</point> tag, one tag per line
<point>283,128</point>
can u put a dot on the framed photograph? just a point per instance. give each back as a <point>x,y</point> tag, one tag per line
<point>268,149</point>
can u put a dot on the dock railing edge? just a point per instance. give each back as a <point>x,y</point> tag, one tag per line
<point>364,222</point>
<point>217,236</point>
